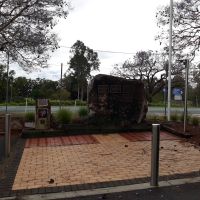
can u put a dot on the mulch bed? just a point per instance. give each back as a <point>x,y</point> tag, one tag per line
<point>192,133</point>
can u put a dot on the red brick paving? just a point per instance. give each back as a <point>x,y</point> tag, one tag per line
<point>146,136</point>
<point>89,139</point>
<point>60,141</point>
<point>113,158</point>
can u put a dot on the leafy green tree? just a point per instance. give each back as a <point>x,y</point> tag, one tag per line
<point>3,81</point>
<point>83,60</point>
<point>61,94</point>
<point>196,88</point>
<point>43,88</point>
<point>22,87</point>
<point>26,29</point>
<point>186,26</point>
<point>147,66</point>
<point>70,84</point>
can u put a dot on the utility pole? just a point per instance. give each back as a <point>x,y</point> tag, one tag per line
<point>170,60</point>
<point>7,82</point>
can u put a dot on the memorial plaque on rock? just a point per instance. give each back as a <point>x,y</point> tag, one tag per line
<point>115,96</point>
<point>102,89</point>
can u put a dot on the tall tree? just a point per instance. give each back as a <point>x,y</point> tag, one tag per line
<point>196,85</point>
<point>83,60</point>
<point>70,84</point>
<point>3,80</point>
<point>147,66</point>
<point>26,29</point>
<point>22,87</point>
<point>186,26</point>
<point>44,88</point>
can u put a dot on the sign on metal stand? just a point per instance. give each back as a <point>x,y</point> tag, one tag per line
<point>155,154</point>
<point>7,134</point>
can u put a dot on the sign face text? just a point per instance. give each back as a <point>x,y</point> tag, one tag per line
<point>102,89</point>
<point>42,102</point>
<point>42,113</point>
<point>177,91</point>
<point>178,97</point>
<point>111,96</point>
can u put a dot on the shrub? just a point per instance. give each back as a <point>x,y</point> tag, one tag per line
<point>100,120</point>
<point>30,117</point>
<point>182,118</point>
<point>80,103</point>
<point>63,116</point>
<point>165,118</point>
<point>174,117</point>
<point>152,117</point>
<point>195,121</point>
<point>83,112</point>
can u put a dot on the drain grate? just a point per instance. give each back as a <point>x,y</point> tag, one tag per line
<point>61,141</point>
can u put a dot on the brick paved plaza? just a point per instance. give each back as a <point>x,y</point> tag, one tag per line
<point>109,157</point>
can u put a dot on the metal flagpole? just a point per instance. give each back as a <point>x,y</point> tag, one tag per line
<point>186,93</point>
<point>7,81</point>
<point>61,71</point>
<point>170,61</point>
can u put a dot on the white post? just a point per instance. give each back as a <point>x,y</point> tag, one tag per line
<point>155,145</point>
<point>61,71</point>
<point>170,61</point>
<point>26,106</point>
<point>186,93</point>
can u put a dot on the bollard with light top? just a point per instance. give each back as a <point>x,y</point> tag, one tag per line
<point>155,154</point>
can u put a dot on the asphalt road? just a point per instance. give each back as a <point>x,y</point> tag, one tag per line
<point>151,110</point>
<point>183,192</point>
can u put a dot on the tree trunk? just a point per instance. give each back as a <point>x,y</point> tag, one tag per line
<point>78,92</point>
<point>82,93</point>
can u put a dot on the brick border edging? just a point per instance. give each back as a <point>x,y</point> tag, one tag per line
<point>166,127</point>
<point>79,130</point>
<point>11,169</point>
<point>89,186</point>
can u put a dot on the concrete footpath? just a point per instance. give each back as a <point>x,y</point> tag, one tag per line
<point>183,192</point>
<point>183,189</point>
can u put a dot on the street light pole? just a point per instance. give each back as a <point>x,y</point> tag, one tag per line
<point>170,61</point>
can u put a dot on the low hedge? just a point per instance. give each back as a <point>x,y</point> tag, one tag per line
<point>52,102</point>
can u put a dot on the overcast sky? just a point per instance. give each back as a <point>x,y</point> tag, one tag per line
<point>108,25</point>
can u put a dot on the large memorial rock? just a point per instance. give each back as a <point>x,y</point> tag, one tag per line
<point>117,97</point>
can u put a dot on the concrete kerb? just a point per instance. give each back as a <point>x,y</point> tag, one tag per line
<point>101,191</point>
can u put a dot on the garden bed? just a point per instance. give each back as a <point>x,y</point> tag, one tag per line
<point>192,132</point>
<point>81,129</point>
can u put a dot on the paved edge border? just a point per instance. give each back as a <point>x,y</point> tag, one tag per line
<point>101,191</point>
